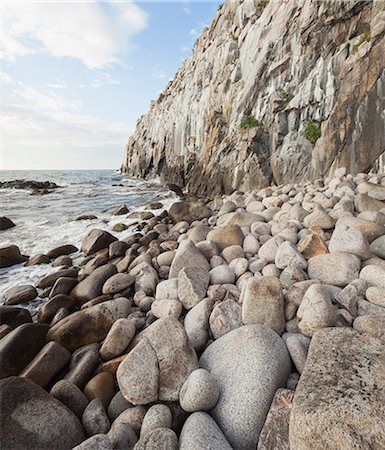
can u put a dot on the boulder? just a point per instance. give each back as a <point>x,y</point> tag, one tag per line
<point>200,432</point>
<point>200,392</point>
<point>288,255</point>
<point>196,324</point>
<point>158,438</point>
<point>118,283</point>
<point>192,286</point>
<point>349,240</point>
<point>63,285</point>
<point>9,256</point>
<point>338,269</point>
<point>158,416</point>
<point>101,386</point>
<point>118,338</point>
<point>37,259</point>
<point>120,210</point>
<point>242,219</point>
<point>66,249</point>
<point>95,240</point>
<point>159,365</point>
<point>14,316</point>
<point>33,419</point>
<point>49,309</point>
<point>188,211</point>
<point>97,441</point>
<point>71,396</point>
<point>249,364</point>
<point>339,401</point>
<point>226,236</point>
<point>5,223</point>
<point>49,280</point>
<point>62,261</point>
<point>371,230</point>
<point>89,325</point>
<point>19,347</point>
<point>94,419</point>
<point>187,255</point>
<point>19,294</point>
<point>91,286</point>
<point>262,302</point>
<point>363,202</point>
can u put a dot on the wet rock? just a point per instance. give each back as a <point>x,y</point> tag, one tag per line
<point>226,236</point>
<point>117,248</point>
<point>60,314</point>
<point>200,392</point>
<point>117,339</point>
<point>71,396</point>
<point>49,280</point>
<point>159,438</point>
<point>187,255</point>
<point>19,347</point>
<point>101,386</point>
<point>262,302</point>
<point>249,364</point>
<point>37,259</point>
<point>192,286</point>
<point>196,324</point>
<point>49,309</point>
<point>4,330</point>
<point>19,294</point>
<point>343,376</point>
<point>9,256</point>
<point>6,224</point>
<point>225,317</point>
<point>33,419</point>
<point>62,261</point>
<point>94,419</point>
<point>89,325</point>
<point>46,364</point>
<point>63,285</point>
<point>97,441</point>
<point>120,210</point>
<point>61,250</point>
<point>91,286</point>
<point>275,432</point>
<point>14,316</point>
<point>201,432</point>
<point>117,283</point>
<point>86,217</point>
<point>338,269</point>
<point>188,211</point>
<point>95,240</point>
<point>158,416</point>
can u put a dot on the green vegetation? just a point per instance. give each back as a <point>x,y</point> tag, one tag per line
<point>220,6</point>
<point>285,97</point>
<point>262,3</point>
<point>250,122</point>
<point>312,132</point>
<point>362,39</point>
<point>119,227</point>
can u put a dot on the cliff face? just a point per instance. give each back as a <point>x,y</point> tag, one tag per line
<point>275,91</point>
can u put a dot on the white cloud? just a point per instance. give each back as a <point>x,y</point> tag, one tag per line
<point>86,31</point>
<point>56,85</point>
<point>187,10</point>
<point>184,48</point>
<point>158,73</point>
<point>6,78</point>
<point>105,79</point>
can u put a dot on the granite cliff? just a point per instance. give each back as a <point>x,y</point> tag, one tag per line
<point>274,92</point>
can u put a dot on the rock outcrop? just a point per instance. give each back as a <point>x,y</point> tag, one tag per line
<point>273,92</point>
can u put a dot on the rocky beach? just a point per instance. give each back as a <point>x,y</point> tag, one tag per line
<point>254,320</point>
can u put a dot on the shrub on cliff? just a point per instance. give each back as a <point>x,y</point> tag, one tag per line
<point>312,132</point>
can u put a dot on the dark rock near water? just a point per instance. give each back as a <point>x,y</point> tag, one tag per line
<point>19,346</point>
<point>4,330</point>
<point>63,285</point>
<point>19,294</point>
<point>14,316</point>
<point>49,280</point>
<point>33,419</point>
<point>66,249</point>
<point>86,217</point>
<point>83,369</point>
<point>120,210</point>
<point>28,184</point>
<point>9,256</point>
<point>6,224</point>
<point>95,240</point>
<point>188,211</point>
<point>49,309</point>
<point>62,261</point>
<point>37,259</point>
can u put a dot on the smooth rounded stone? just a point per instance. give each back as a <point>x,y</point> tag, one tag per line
<point>192,286</point>
<point>167,308</point>
<point>122,436</point>
<point>158,416</point>
<point>117,283</point>
<point>232,252</point>
<point>94,419</point>
<point>14,316</point>
<point>19,294</point>
<point>33,419</point>
<point>37,259</point>
<point>187,255</point>
<point>63,285</point>
<point>268,250</point>
<point>227,207</point>
<point>296,292</point>
<point>240,218</point>
<point>316,310</point>
<point>145,303</point>
<point>208,249</point>
<point>9,256</point>
<point>91,286</point>
<point>222,275</point>
<point>251,244</point>
<point>83,369</point>
<point>49,280</point>
<point>377,247</point>
<point>97,441</point>
<point>4,330</point>
<point>196,324</point>
<point>71,396</point>
<point>46,364</point>
<point>20,346</point>
<point>239,266</point>
<point>374,275</point>
<point>97,261</point>
<point>366,308</point>
<point>62,261</point>
<point>61,250</point>
<point>133,417</point>
<point>262,303</point>
<point>373,325</point>
<point>225,317</point>
<point>201,432</point>
<point>343,377</point>
<point>376,295</point>
<point>292,275</point>
<point>256,265</point>
<point>275,431</point>
<point>371,230</point>
<point>60,314</point>
<point>158,365</point>
<point>166,258</point>
<point>96,301</point>
<point>249,364</point>
<point>117,248</point>
<point>226,236</point>
<point>101,386</point>
<point>200,392</point>
<point>373,190</point>
<point>146,278</point>
<point>349,240</point>
<point>363,202</point>
<point>188,211</point>
<point>337,269</point>
<point>288,255</point>
<point>216,292</point>
<point>95,240</point>
<point>320,218</point>
<point>298,346</point>
<point>167,290</point>
<point>118,338</point>
<point>158,439</point>
<point>89,325</point>
<point>198,233</point>
<point>216,261</point>
<point>49,309</point>
<point>117,405</point>
<point>349,296</point>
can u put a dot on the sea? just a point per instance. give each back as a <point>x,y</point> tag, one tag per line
<point>46,221</point>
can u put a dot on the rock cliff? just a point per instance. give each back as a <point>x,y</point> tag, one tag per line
<point>274,92</point>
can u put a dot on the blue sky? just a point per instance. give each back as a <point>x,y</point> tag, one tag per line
<point>75,76</point>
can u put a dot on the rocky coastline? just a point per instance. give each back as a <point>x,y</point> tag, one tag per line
<point>252,321</point>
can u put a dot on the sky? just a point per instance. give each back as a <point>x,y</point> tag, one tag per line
<point>76,76</point>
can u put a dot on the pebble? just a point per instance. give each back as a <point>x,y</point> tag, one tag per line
<point>222,274</point>
<point>338,269</point>
<point>118,338</point>
<point>200,392</point>
<point>94,419</point>
<point>376,295</point>
<point>374,275</point>
<point>158,416</point>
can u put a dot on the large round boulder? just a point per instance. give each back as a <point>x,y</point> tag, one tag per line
<point>10,256</point>
<point>95,240</point>
<point>249,364</point>
<point>91,287</point>
<point>188,211</point>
